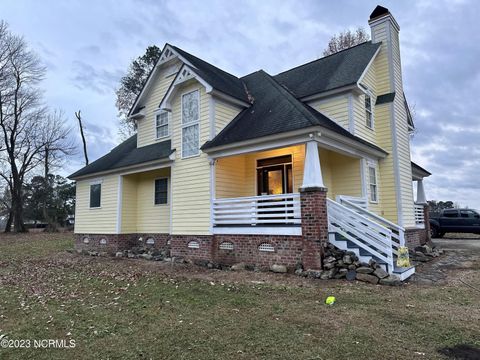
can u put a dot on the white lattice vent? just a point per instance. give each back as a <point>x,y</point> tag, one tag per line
<point>226,246</point>
<point>193,245</point>
<point>150,241</point>
<point>86,240</point>
<point>103,241</point>
<point>266,247</point>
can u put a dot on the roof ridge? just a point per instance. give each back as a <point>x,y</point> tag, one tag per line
<point>200,59</point>
<point>325,57</point>
<point>291,98</point>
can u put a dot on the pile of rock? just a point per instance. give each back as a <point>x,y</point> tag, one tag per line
<point>424,253</point>
<point>145,252</point>
<point>339,264</point>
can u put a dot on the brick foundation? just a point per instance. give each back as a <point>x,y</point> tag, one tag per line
<point>415,237</point>
<point>111,243</point>
<point>313,202</point>
<point>287,250</point>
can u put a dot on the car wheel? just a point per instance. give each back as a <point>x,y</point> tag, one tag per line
<point>434,231</point>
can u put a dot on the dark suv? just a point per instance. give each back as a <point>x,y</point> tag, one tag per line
<point>455,220</point>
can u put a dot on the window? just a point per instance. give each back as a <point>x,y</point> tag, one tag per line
<point>468,214</point>
<point>450,213</point>
<point>368,111</point>
<point>161,191</point>
<point>161,124</point>
<point>95,195</point>
<point>372,179</point>
<point>190,124</point>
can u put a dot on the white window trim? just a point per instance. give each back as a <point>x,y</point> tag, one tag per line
<point>169,122</point>
<point>168,191</point>
<point>369,94</point>
<point>94,182</point>
<point>183,126</point>
<point>374,167</point>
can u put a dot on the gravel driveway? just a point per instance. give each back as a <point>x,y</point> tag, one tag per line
<point>460,263</point>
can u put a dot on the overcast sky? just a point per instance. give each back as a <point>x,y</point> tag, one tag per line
<point>87,46</point>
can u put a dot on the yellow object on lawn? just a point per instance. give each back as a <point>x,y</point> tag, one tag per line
<point>330,300</point>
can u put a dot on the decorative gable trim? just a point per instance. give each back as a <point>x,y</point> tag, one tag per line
<point>168,54</point>
<point>185,74</point>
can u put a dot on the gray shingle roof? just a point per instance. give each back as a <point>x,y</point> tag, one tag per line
<point>126,154</point>
<point>217,78</point>
<point>275,110</point>
<point>328,73</point>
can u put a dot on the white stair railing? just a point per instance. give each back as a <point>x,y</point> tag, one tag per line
<point>360,230</point>
<point>398,232</point>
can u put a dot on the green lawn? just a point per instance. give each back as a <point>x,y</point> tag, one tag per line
<point>133,309</point>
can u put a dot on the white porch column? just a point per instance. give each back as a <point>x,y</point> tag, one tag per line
<point>421,199</point>
<point>312,172</point>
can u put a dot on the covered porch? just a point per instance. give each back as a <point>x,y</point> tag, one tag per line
<point>421,205</point>
<point>258,192</point>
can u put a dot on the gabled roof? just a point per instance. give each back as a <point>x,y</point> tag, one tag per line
<point>275,110</point>
<point>328,73</point>
<point>126,154</point>
<point>220,80</point>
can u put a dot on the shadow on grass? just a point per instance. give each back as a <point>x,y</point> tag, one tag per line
<point>461,352</point>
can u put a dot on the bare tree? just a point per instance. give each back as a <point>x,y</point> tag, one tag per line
<point>26,128</point>
<point>78,115</point>
<point>345,40</point>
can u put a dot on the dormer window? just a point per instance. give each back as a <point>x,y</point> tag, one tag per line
<point>161,124</point>
<point>368,111</point>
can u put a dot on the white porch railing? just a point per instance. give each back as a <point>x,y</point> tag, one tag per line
<point>267,210</point>
<point>363,232</point>
<point>398,232</point>
<point>419,215</point>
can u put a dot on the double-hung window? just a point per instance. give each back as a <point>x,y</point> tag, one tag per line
<point>190,124</point>
<point>161,191</point>
<point>161,124</point>
<point>372,179</point>
<point>368,111</point>
<point>95,195</point>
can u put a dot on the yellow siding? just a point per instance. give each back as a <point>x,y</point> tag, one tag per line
<point>146,125</point>
<point>361,129</point>
<point>191,177</point>
<point>346,179</point>
<point>336,108</point>
<point>129,204</point>
<point>224,113</point>
<point>230,177</point>
<point>151,218</point>
<point>102,220</point>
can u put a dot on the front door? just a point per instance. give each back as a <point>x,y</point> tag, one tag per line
<point>274,176</point>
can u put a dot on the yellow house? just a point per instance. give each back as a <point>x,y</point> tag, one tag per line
<point>264,169</point>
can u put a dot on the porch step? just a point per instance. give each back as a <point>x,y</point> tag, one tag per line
<point>403,273</point>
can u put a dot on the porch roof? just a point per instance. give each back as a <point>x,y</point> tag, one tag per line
<point>418,172</point>
<point>126,154</point>
<point>275,110</point>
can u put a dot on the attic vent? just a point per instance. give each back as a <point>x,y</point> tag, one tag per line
<point>266,247</point>
<point>193,245</point>
<point>226,246</point>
